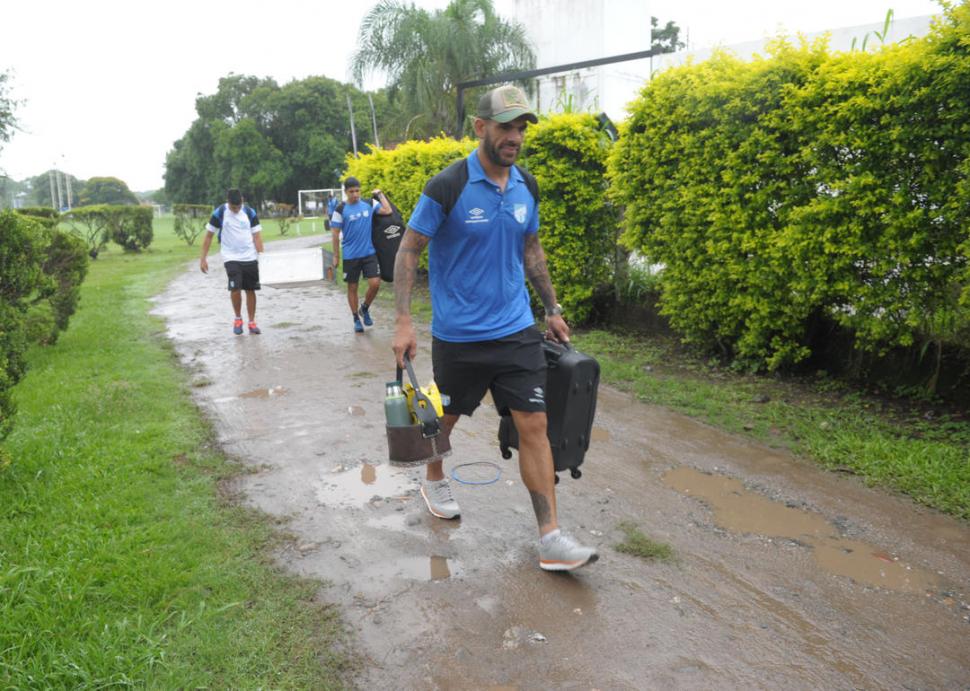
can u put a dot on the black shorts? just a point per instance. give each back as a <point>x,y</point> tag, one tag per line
<point>243,275</point>
<point>513,368</point>
<point>354,267</point>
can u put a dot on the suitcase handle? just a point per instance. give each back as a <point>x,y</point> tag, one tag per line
<point>426,414</point>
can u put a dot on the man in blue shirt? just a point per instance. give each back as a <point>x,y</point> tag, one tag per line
<point>331,205</point>
<point>479,218</point>
<point>350,226</point>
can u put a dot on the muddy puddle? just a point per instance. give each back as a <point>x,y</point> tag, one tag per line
<point>742,511</point>
<point>362,484</point>
<point>265,392</point>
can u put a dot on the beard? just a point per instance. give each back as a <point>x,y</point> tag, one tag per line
<point>496,155</point>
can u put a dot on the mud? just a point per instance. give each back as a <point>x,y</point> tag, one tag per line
<point>784,575</point>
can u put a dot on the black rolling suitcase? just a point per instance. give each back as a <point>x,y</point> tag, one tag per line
<point>572,381</point>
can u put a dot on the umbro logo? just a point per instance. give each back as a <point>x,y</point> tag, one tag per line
<point>476,215</point>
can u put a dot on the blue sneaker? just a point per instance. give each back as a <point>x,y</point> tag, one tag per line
<point>358,327</point>
<point>237,325</point>
<point>365,313</point>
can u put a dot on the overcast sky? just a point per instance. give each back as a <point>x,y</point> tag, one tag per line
<point>109,85</point>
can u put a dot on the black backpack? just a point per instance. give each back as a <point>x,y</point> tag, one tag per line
<point>385,234</point>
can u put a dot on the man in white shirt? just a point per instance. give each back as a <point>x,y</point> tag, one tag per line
<point>239,234</point>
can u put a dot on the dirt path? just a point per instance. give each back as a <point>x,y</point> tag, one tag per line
<point>785,576</point>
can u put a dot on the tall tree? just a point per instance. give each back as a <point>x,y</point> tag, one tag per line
<point>301,129</point>
<point>7,105</point>
<point>106,191</point>
<point>426,54</point>
<point>666,39</point>
<point>39,189</point>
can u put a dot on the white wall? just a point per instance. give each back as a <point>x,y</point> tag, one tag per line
<point>565,31</point>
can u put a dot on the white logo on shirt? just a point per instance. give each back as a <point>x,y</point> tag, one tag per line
<point>476,215</point>
<point>519,213</point>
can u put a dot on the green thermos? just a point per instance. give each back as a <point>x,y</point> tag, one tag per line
<point>396,406</point>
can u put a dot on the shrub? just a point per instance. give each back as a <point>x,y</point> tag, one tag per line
<point>806,186</point>
<point>90,224</point>
<point>63,264</point>
<point>190,220</point>
<point>577,221</point>
<point>403,172</point>
<point>284,217</point>
<point>19,277</point>
<point>130,226</point>
<point>46,215</point>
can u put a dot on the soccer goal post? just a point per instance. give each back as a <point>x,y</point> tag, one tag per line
<point>313,203</point>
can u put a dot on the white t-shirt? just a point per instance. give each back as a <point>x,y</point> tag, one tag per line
<point>236,232</point>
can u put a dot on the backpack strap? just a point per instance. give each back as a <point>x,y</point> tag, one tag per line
<point>446,186</point>
<point>531,183</point>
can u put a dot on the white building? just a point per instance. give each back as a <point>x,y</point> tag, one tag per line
<point>568,31</point>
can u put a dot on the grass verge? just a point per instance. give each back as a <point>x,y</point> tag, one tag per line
<point>119,562</point>
<point>639,545</point>
<point>909,448</point>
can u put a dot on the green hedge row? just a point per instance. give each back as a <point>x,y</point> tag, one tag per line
<point>96,225</point>
<point>190,220</point>
<point>41,270</point>
<point>806,187</point>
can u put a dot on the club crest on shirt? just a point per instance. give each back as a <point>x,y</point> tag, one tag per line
<point>519,212</point>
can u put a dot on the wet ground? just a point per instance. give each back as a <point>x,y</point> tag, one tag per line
<point>784,575</point>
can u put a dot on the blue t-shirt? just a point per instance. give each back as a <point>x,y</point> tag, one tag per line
<point>354,222</point>
<point>475,256</point>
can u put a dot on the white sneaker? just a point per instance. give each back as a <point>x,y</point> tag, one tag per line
<point>562,553</point>
<point>437,495</point>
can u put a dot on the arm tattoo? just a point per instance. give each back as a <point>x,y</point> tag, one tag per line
<point>540,504</point>
<point>537,272</point>
<point>406,268</point>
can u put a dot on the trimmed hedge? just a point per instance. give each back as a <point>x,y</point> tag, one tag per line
<point>90,225</point>
<point>41,270</point>
<point>190,220</point>
<point>403,172</point>
<point>46,215</point>
<point>577,221</point>
<point>803,188</point>
<point>130,226</point>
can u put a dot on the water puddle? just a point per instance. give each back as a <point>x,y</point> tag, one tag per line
<point>433,568</point>
<point>355,485</point>
<point>265,393</point>
<point>355,410</point>
<point>599,434</point>
<point>741,511</point>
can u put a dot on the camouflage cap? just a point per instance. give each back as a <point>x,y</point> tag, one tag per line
<point>505,104</point>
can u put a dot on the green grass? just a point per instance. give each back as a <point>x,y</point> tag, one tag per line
<point>639,545</point>
<point>885,443</point>
<point>122,563</point>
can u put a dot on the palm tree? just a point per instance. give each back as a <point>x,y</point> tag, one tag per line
<point>426,54</point>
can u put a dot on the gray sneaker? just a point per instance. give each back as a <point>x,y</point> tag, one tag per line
<point>437,495</point>
<point>562,553</point>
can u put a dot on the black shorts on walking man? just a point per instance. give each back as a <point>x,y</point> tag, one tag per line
<point>350,230</point>
<point>479,219</point>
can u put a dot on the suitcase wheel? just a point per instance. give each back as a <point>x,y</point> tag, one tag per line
<point>576,473</point>
<point>506,454</point>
